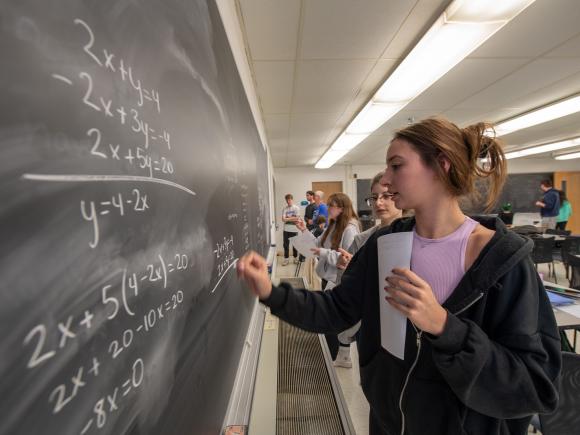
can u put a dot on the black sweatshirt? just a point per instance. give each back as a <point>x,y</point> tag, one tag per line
<point>495,364</point>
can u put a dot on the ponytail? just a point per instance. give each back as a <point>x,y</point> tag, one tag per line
<point>486,158</point>
<point>464,148</point>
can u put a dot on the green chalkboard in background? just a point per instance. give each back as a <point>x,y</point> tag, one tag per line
<point>131,179</point>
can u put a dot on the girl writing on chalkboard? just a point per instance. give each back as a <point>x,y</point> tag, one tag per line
<point>482,351</point>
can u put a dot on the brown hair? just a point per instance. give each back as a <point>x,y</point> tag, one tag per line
<point>463,147</point>
<point>562,197</point>
<point>377,179</point>
<point>288,196</point>
<point>348,215</point>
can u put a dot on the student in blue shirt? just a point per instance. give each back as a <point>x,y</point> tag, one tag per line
<point>549,205</point>
<point>321,208</point>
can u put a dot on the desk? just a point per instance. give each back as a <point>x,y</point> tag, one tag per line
<point>556,237</point>
<point>566,320</point>
<point>563,319</point>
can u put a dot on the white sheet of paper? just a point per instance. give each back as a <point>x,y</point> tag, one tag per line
<point>304,242</point>
<point>394,250</point>
<point>571,309</point>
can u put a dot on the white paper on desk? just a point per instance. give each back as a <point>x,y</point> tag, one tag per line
<point>304,242</point>
<point>394,250</point>
<point>571,309</point>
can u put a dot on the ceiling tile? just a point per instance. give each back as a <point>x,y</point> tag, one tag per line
<point>311,129</point>
<point>277,126</point>
<point>539,28</point>
<point>372,82</point>
<point>415,26</point>
<point>274,85</point>
<point>328,86</point>
<point>465,117</point>
<point>278,144</point>
<point>570,48</point>
<point>468,78</point>
<point>375,157</point>
<point>342,29</point>
<point>534,76</point>
<point>271,28</point>
<point>402,119</point>
<point>301,158</point>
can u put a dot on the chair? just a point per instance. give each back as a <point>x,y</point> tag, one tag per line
<point>574,264</point>
<point>565,420</point>
<point>526,230</point>
<point>542,253</point>
<point>569,246</point>
<point>558,232</point>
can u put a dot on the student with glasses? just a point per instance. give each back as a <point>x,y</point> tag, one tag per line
<point>384,209</point>
<point>482,349</point>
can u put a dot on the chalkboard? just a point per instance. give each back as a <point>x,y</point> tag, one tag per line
<point>363,191</point>
<point>520,190</point>
<point>131,179</point>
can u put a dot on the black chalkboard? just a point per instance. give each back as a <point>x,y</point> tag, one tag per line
<point>131,179</point>
<point>363,191</point>
<point>520,190</point>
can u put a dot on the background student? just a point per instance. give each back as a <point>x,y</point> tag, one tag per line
<point>309,211</point>
<point>482,351</point>
<point>565,211</point>
<point>549,205</point>
<point>320,207</point>
<point>290,215</point>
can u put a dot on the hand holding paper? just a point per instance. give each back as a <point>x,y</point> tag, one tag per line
<point>304,243</point>
<point>413,297</point>
<point>394,251</point>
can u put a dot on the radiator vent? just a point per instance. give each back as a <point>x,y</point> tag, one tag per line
<point>306,404</point>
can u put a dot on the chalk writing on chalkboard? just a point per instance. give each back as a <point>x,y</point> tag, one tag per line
<point>132,179</point>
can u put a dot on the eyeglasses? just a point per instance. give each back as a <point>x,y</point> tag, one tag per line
<point>371,200</point>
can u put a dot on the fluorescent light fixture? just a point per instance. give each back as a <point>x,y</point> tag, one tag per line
<point>539,116</point>
<point>347,142</point>
<point>544,148</point>
<point>442,47</point>
<point>463,27</point>
<point>372,116</point>
<point>482,11</point>
<point>568,156</point>
<point>340,147</point>
<point>330,158</point>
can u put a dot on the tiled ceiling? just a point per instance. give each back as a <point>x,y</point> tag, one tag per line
<point>316,62</point>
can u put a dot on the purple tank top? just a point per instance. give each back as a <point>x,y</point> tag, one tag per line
<point>441,262</point>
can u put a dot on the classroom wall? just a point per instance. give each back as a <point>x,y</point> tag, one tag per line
<point>520,166</point>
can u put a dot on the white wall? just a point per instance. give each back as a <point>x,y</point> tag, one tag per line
<point>522,166</point>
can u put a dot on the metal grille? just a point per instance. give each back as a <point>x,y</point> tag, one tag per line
<point>306,404</point>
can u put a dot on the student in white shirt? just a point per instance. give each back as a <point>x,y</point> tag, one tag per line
<point>290,215</point>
